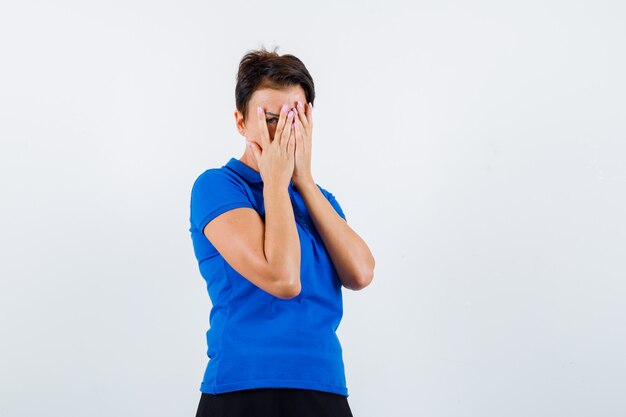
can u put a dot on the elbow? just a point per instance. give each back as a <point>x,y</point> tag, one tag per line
<point>363,280</point>
<point>290,292</point>
<point>293,293</point>
<point>289,287</point>
<point>365,277</point>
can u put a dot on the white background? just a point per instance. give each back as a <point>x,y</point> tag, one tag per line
<point>478,147</point>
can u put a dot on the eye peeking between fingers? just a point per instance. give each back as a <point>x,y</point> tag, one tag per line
<point>271,120</point>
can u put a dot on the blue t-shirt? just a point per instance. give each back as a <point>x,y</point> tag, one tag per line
<point>257,340</point>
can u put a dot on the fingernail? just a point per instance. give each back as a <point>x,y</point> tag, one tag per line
<point>259,109</point>
<point>290,113</point>
<point>284,109</point>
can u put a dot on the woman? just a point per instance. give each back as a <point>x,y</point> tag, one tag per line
<point>275,249</point>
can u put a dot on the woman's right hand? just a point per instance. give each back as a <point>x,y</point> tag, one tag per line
<point>276,160</point>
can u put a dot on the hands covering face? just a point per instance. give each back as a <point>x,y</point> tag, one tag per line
<point>292,141</point>
<point>303,132</point>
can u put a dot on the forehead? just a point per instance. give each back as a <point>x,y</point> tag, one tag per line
<point>272,100</point>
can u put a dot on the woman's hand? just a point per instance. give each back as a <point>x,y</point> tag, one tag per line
<point>303,132</point>
<point>276,159</point>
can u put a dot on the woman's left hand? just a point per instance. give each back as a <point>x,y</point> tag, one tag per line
<point>303,129</point>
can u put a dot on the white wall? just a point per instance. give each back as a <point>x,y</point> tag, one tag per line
<point>478,147</point>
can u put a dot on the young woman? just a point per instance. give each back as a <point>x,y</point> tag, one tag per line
<point>275,250</point>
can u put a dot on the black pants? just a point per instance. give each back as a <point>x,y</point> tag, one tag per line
<point>274,402</point>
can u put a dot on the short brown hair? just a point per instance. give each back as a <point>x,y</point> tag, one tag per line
<point>264,69</point>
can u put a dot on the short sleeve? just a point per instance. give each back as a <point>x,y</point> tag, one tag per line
<point>213,193</point>
<point>333,202</point>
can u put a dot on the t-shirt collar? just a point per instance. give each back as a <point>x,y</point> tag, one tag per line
<point>246,172</point>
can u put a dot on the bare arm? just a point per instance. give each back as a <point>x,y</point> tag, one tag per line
<point>268,255</point>
<point>351,256</point>
<point>282,242</point>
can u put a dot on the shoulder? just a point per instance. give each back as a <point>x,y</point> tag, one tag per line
<point>216,179</point>
<point>211,174</point>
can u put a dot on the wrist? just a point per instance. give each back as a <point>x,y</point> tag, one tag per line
<point>306,185</point>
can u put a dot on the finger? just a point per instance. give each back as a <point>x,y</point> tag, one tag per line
<point>300,133</point>
<point>282,119</point>
<point>256,151</point>
<point>301,115</point>
<point>291,137</point>
<point>291,146</point>
<point>309,114</point>
<point>265,134</point>
<point>294,130</point>
<point>287,130</point>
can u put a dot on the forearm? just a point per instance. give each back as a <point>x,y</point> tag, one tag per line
<point>282,242</point>
<point>350,255</point>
